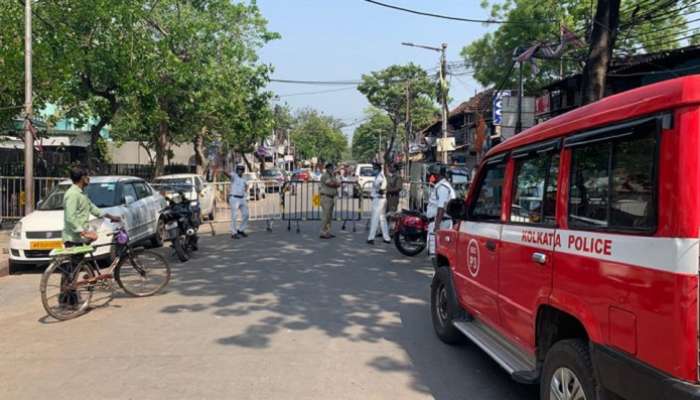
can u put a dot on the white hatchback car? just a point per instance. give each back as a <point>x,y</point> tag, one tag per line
<point>35,235</point>
<point>196,189</point>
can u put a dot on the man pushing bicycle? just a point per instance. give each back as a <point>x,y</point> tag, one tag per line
<point>77,208</point>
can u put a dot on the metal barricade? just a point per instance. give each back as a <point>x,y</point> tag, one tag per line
<point>263,201</point>
<point>301,202</point>
<point>12,197</point>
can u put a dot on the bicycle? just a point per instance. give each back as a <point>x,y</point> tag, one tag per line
<point>139,272</point>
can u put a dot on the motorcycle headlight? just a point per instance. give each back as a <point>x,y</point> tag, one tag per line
<point>17,231</point>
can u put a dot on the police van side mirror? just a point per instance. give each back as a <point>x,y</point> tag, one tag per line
<point>456,209</point>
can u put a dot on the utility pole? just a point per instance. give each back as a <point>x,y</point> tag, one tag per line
<point>443,89</point>
<point>443,95</point>
<point>409,129</point>
<point>519,116</point>
<point>28,111</point>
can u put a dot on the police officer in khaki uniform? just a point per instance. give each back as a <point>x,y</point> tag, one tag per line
<point>394,185</point>
<point>329,189</point>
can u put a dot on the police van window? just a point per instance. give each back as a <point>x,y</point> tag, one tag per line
<point>550,194</point>
<point>612,183</point>
<point>534,191</point>
<point>487,206</point>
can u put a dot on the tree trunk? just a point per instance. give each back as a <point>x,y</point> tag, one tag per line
<point>198,144</point>
<point>161,148</point>
<point>605,26</point>
<point>247,163</point>
<point>92,155</point>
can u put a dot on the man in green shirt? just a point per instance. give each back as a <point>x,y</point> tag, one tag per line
<point>77,209</point>
<point>329,189</point>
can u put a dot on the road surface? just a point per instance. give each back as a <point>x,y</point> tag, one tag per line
<point>279,315</point>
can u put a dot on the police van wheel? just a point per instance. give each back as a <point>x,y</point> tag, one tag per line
<point>568,373</point>
<point>442,311</point>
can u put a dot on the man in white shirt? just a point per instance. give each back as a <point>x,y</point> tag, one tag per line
<point>378,206</point>
<point>441,193</point>
<point>238,199</point>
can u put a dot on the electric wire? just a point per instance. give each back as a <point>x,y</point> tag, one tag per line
<point>461,19</point>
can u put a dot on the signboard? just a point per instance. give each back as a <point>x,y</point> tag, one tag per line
<point>498,107</point>
<point>447,144</point>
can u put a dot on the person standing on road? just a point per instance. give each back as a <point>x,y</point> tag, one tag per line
<point>328,192</point>
<point>77,209</point>
<point>378,206</point>
<point>394,185</point>
<point>440,194</point>
<point>238,199</point>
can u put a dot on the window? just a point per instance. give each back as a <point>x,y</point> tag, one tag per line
<point>198,186</point>
<point>142,190</point>
<point>128,190</point>
<point>487,206</point>
<point>534,189</point>
<point>613,182</point>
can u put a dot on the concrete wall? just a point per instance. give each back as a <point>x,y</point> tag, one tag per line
<point>134,153</point>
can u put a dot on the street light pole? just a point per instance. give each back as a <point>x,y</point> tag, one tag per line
<point>28,111</point>
<point>443,89</point>
<point>443,95</point>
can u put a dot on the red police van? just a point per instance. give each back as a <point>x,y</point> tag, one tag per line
<point>574,259</point>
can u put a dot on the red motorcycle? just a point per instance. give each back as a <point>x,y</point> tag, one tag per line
<point>410,232</point>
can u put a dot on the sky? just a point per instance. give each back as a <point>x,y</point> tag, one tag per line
<point>343,39</point>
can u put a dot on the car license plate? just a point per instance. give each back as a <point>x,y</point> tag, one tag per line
<point>46,245</point>
<point>171,225</point>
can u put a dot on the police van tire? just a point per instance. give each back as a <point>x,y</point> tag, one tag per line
<point>442,310</point>
<point>569,363</point>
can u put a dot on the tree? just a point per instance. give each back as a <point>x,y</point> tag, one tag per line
<point>208,80</point>
<point>605,26</point>
<point>644,26</point>
<point>386,90</point>
<point>367,136</point>
<point>99,50</point>
<point>318,135</point>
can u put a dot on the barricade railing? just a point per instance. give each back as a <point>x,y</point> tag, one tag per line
<point>301,201</point>
<point>263,201</point>
<point>413,196</point>
<point>12,195</point>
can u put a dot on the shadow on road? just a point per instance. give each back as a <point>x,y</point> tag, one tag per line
<point>343,288</point>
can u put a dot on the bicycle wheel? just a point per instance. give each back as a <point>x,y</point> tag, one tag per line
<point>142,273</point>
<point>66,289</point>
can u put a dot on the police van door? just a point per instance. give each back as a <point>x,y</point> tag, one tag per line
<point>528,239</point>
<point>476,272</point>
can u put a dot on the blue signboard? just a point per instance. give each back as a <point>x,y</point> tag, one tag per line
<point>497,108</point>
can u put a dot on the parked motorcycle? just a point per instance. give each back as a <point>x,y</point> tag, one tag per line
<point>410,232</point>
<point>182,218</point>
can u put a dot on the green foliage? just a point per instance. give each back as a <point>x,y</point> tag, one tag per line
<point>387,90</point>
<point>318,135</point>
<point>366,138</point>
<point>539,21</point>
<point>160,72</point>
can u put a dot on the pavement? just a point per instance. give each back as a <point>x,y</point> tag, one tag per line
<point>279,315</point>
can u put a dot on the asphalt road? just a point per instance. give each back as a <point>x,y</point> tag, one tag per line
<point>279,315</point>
